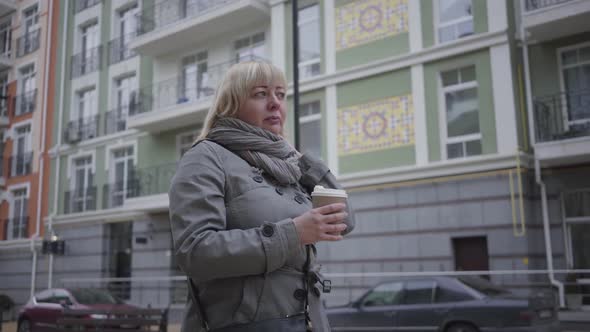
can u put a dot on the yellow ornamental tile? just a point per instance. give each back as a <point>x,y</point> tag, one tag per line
<point>377,125</point>
<point>364,21</point>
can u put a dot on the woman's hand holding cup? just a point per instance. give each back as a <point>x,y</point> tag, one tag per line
<point>324,223</point>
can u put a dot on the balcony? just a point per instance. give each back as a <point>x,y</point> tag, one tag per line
<point>148,191</point>
<point>6,60</point>
<point>81,129</point>
<point>16,228</point>
<point>562,124</point>
<point>20,164</point>
<point>80,5</point>
<point>25,103</point>
<point>550,19</point>
<point>177,101</point>
<point>80,200</point>
<point>28,43</point>
<point>87,61</point>
<point>165,27</point>
<point>115,194</point>
<point>7,7</point>
<point>119,49</point>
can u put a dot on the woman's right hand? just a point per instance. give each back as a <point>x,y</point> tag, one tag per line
<point>321,224</point>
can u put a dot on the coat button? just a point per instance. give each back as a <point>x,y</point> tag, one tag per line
<point>258,178</point>
<point>299,294</point>
<point>279,191</point>
<point>267,230</point>
<point>299,199</point>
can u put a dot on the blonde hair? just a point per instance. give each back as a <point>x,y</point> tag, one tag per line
<point>235,88</point>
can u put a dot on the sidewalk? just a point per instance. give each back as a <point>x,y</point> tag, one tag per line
<point>574,321</point>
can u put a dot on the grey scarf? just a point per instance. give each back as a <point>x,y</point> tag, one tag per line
<point>259,147</point>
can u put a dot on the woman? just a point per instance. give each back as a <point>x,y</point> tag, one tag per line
<point>241,214</point>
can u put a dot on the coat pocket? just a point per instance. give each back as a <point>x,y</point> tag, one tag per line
<point>252,288</point>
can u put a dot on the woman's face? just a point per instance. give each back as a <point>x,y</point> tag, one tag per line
<point>265,107</point>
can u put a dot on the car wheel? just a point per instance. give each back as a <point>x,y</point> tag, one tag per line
<point>459,328</point>
<point>24,326</point>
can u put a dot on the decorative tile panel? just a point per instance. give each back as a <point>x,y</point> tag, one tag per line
<point>365,21</point>
<point>377,125</point>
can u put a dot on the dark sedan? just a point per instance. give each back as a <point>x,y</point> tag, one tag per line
<point>464,304</point>
<point>43,310</point>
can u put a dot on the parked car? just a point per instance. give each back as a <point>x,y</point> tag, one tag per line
<point>42,311</point>
<point>445,304</point>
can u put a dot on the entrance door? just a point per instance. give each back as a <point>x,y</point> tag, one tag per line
<point>471,254</point>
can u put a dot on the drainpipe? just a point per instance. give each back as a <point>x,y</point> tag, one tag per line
<point>41,158</point>
<point>56,147</point>
<point>529,101</point>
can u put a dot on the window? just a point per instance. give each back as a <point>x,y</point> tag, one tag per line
<point>19,221</point>
<point>309,41</point>
<point>384,295</point>
<point>455,19</point>
<point>185,142</point>
<point>4,92</point>
<point>461,129</point>
<point>90,54</point>
<point>87,119</point>
<point>419,292</point>
<point>82,197</point>
<point>190,7</point>
<point>125,92</point>
<point>28,91</point>
<point>575,70</point>
<point>128,24</point>
<point>122,174</point>
<point>194,78</point>
<point>22,157</point>
<point>250,47</point>
<point>5,39</point>
<point>31,18</point>
<point>310,129</point>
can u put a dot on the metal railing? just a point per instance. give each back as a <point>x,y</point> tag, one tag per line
<point>116,119</point>
<point>20,164</point>
<point>562,115</point>
<point>25,103</point>
<point>81,129</point>
<point>179,90</point>
<point>80,5</point>
<point>151,180</point>
<point>168,12</point>
<point>27,43</point>
<point>5,46</point>
<point>80,200</point>
<point>119,49</point>
<point>114,194</point>
<point>531,5</point>
<point>19,230</point>
<point>87,61</point>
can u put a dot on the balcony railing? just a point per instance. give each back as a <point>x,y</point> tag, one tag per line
<point>25,103</point>
<point>114,194</point>
<point>180,90</point>
<point>531,5</point>
<point>80,200</point>
<point>28,43</point>
<point>119,49</point>
<point>16,228</point>
<point>151,180</point>
<point>562,116</point>
<point>87,61</point>
<point>80,5</point>
<point>20,164</point>
<point>81,129</point>
<point>169,12</point>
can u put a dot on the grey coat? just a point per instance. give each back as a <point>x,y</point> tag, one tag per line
<point>235,239</point>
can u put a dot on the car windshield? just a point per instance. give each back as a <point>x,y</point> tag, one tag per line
<point>94,296</point>
<point>482,285</point>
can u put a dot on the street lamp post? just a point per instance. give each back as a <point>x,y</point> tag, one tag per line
<point>296,73</point>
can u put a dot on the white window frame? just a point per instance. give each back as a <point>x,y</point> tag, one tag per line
<point>119,90</point>
<point>6,27</point>
<point>35,18</point>
<point>132,9</point>
<point>311,118</point>
<point>22,88</point>
<point>28,136</point>
<point>251,45</point>
<point>4,91</point>
<point>198,85</point>
<point>129,160</point>
<point>442,111</point>
<point>303,65</point>
<point>179,144</point>
<point>438,24</point>
<point>11,189</point>
<point>87,184</point>
<point>80,98</point>
<point>561,67</point>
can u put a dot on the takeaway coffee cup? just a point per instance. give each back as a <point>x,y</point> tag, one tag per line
<point>323,196</point>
